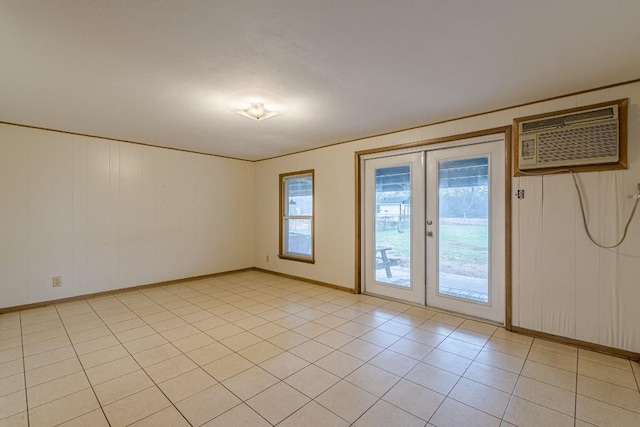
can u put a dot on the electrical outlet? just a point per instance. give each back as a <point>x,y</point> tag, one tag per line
<point>57,281</point>
<point>267,258</point>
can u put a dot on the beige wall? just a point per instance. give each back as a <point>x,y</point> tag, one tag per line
<point>107,215</point>
<point>562,284</point>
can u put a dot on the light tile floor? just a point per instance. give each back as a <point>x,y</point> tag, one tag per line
<point>254,349</point>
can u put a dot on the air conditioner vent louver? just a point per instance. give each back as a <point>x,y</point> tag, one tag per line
<point>569,119</point>
<point>587,116</point>
<point>581,137</point>
<point>579,143</point>
<point>554,122</point>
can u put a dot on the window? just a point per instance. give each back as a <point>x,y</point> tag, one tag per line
<point>296,216</point>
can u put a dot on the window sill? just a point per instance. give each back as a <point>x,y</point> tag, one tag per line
<point>299,259</point>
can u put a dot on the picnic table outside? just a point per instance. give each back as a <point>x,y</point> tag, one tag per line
<point>383,261</point>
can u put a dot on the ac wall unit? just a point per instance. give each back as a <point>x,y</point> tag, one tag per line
<point>587,138</point>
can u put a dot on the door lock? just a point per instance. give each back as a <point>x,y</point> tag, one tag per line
<point>430,233</point>
<point>429,222</point>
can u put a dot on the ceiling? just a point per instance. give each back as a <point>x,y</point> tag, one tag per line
<point>172,73</point>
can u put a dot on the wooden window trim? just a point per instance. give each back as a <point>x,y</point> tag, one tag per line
<point>281,182</point>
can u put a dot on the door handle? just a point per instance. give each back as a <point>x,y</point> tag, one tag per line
<point>430,233</point>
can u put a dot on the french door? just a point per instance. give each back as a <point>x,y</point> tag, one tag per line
<point>434,228</point>
<point>394,227</point>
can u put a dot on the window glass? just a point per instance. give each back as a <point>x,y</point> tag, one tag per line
<point>296,225</point>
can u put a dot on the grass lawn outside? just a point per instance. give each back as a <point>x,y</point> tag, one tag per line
<point>463,246</point>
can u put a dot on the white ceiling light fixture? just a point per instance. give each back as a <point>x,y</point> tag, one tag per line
<point>257,111</point>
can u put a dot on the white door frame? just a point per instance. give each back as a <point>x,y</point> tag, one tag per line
<point>415,291</point>
<point>494,309</point>
<point>502,134</point>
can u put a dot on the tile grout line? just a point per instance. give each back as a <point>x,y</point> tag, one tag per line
<point>600,400</point>
<point>190,299</point>
<point>310,363</point>
<point>379,398</point>
<point>577,377</point>
<point>84,371</point>
<point>400,377</point>
<point>332,351</point>
<point>484,346</point>
<point>287,351</point>
<point>575,404</point>
<point>169,310</point>
<point>137,363</point>
<point>475,360</point>
<point>182,353</point>
<point>163,308</point>
<point>258,365</point>
<point>24,370</point>
<point>340,378</point>
<point>386,320</point>
<point>577,357</point>
<point>520,374</point>
<point>255,364</point>
<point>512,394</point>
<point>219,342</point>
<point>462,376</point>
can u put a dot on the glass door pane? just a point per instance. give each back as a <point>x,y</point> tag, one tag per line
<point>463,228</point>
<point>393,225</point>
